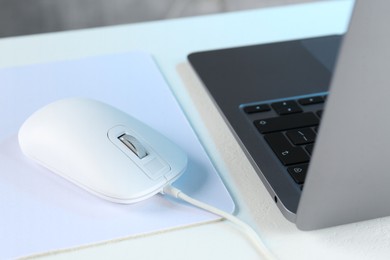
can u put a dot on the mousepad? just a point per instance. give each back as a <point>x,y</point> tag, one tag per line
<point>42,212</point>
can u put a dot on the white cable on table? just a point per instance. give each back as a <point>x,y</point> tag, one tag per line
<point>176,193</point>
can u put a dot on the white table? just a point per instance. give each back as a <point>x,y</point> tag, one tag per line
<point>169,42</point>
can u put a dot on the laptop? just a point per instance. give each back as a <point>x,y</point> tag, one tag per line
<point>312,116</point>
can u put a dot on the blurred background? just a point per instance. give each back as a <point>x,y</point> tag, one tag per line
<point>23,17</point>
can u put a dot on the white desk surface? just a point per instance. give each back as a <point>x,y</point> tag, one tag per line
<point>169,42</point>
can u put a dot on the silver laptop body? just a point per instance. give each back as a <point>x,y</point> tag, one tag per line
<point>349,177</point>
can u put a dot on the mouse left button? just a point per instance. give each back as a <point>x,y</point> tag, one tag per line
<point>134,145</point>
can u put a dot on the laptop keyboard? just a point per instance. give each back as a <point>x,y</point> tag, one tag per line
<point>290,128</point>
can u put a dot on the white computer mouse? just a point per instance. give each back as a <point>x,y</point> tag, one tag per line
<point>101,149</point>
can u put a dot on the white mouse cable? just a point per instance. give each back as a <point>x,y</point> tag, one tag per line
<point>176,193</point>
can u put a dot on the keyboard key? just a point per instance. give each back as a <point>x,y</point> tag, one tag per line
<point>257,108</point>
<point>301,136</point>
<point>309,148</point>
<point>319,113</point>
<point>311,100</point>
<point>287,122</point>
<point>286,153</point>
<point>286,107</point>
<point>298,172</point>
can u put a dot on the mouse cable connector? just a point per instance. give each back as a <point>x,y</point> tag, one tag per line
<point>176,193</point>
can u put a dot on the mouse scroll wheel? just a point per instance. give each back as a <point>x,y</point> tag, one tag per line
<point>134,145</point>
